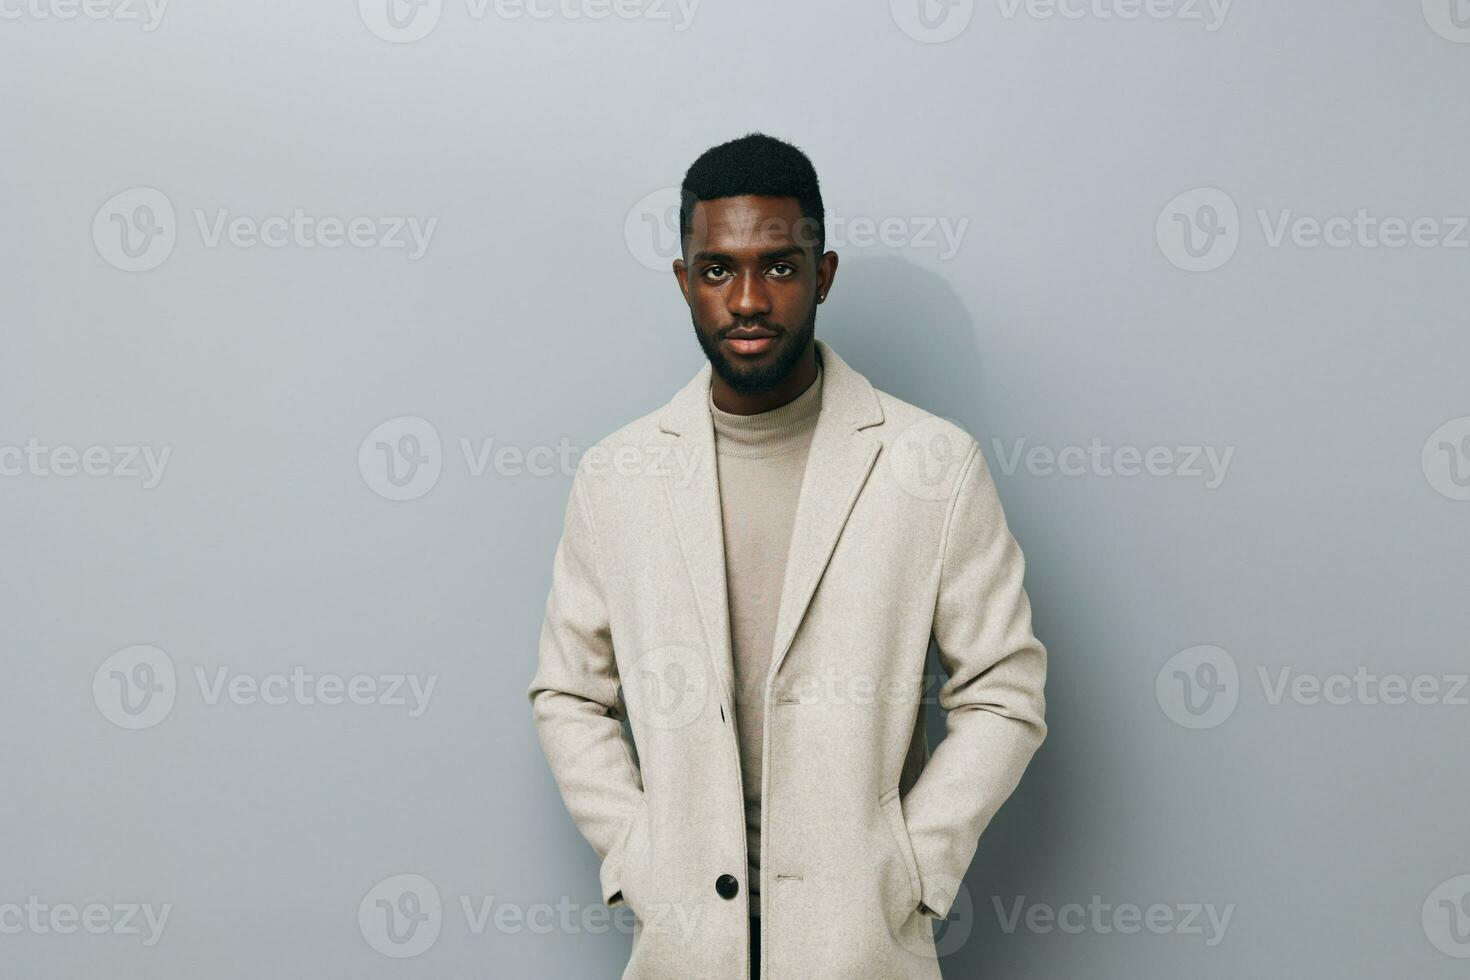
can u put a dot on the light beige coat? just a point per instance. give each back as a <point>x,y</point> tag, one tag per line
<point>899,537</point>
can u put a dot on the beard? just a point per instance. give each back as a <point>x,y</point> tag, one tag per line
<point>760,377</point>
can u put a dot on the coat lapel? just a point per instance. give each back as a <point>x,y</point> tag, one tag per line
<point>695,504</point>
<point>838,464</point>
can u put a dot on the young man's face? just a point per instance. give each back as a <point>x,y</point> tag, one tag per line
<point>752,279</point>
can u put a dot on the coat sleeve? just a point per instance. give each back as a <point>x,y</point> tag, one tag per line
<point>993,692</point>
<point>574,699</point>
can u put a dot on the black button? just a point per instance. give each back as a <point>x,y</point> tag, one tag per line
<point>727,886</point>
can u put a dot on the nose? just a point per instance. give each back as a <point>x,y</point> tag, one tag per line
<point>750,297</point>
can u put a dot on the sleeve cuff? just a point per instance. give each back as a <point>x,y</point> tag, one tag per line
<point>934,898</point>
<point>611,877</point>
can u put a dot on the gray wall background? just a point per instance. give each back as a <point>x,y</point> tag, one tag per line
<point>1069,323</point>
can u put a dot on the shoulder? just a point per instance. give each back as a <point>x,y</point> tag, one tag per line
<point>639,447</point>
<point>924,449</point>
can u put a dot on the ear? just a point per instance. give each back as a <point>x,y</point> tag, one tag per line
<point>826,275</point>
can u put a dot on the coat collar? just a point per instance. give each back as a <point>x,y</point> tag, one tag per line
<point>839,460</point>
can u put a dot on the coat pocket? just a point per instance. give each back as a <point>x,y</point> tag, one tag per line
<point>892,806</point>
<point>620,867</point>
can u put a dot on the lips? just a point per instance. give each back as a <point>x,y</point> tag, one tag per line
<point>750,340</point>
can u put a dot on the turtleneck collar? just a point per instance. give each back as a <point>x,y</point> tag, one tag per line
<point>768,433</point>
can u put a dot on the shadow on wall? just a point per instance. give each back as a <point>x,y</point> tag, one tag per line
<point>908,330</point>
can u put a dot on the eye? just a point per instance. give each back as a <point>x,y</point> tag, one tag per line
<point>714,272</point>
<point>789,269</point>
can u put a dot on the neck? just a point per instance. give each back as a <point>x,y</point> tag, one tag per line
<point>797,380</point>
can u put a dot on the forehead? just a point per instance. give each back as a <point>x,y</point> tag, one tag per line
<point>748,223</point>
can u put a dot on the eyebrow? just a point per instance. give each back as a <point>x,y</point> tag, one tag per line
<point>785,252</point>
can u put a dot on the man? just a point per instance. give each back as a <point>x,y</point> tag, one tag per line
<point>758,568</point>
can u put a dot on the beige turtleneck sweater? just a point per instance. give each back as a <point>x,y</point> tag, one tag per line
<point>761,460</point>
